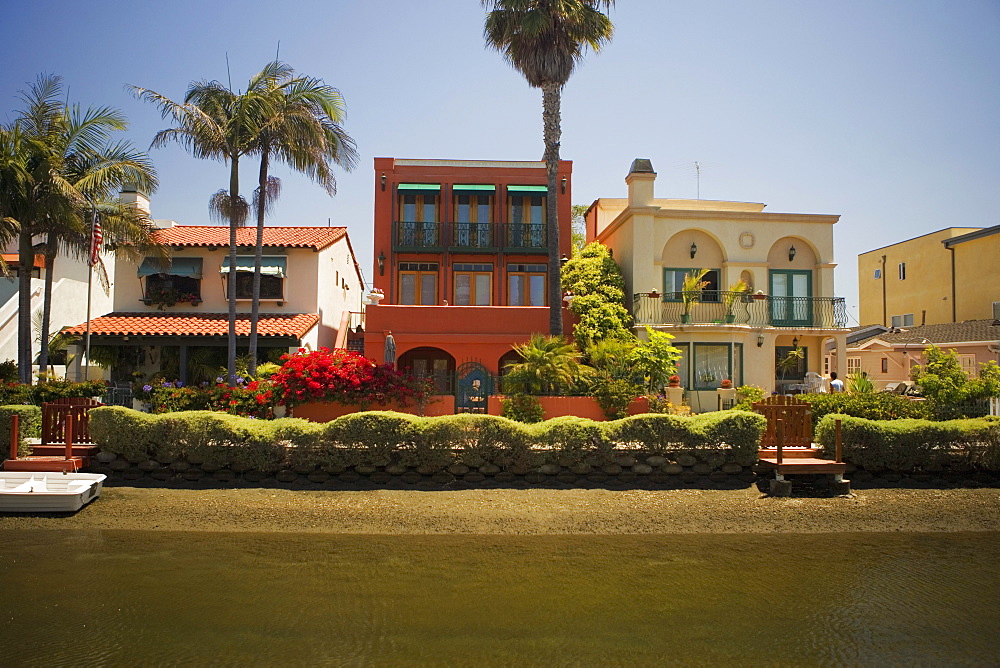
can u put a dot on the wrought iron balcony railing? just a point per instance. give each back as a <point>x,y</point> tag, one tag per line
<point>720,307</point>
<point>473,235</point>
<point>526,235</point>
<point>414,235</point>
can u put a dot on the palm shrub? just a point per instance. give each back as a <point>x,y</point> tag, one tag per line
<point>691,288</point>
<point>550,365</point>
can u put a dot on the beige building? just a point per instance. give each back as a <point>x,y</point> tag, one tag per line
<point>310,285</point>
<point>888,356</point>
<point>951,275</point>
<point>786,258</point>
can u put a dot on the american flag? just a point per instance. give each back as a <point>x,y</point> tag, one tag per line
<point>95,242</point>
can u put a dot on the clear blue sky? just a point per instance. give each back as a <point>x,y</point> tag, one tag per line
<point>885,112</point>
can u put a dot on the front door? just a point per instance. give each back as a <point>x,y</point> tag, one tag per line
<point>791,298</point>
<point>473,387</point>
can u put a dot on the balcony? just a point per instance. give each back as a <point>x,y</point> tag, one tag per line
<point>738,308</point>
<point>469,237</point>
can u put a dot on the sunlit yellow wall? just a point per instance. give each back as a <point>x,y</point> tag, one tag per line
<point>977,277</point>
<point>927,285</point>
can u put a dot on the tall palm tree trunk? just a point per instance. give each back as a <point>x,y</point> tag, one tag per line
<point>234,194</point>
<point>50,260</point>
<point>258,257</point>
<point>552,133</point>
<point>25,265</point>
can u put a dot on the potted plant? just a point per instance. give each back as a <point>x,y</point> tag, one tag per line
<point>375,296</point>
<point>759,295</point>
<point>674,380</point>
<point>735,291</point>
<point>726,384</point>
<point>691,291</point>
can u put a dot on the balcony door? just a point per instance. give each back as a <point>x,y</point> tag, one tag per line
<point>791,298</point>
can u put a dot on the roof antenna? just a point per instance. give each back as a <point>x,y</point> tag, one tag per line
<point>328,222</point>
<point>228,73</point>
<point>697,171</point>
<point>277,51</point>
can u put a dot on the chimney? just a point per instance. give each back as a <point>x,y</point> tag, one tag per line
<point>640,182</point>
<point>136,199</point>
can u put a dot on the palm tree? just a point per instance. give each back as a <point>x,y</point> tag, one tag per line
<point>550,364</point>
<point>304,132</point>
<point>214,122</point>
<point>60,158</point>
<point>544,40</point>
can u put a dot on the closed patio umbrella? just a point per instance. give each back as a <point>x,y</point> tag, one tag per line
<point>389,356</point>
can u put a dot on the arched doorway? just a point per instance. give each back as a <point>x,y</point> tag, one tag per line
<point>432,363</point>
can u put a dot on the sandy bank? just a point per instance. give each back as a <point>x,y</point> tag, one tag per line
<point>534,511</point>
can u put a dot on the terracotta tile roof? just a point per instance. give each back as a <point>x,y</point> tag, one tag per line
<point>218,236</point>
<point>948,332</point>
<point>196,324</point>
<point>13,259</point>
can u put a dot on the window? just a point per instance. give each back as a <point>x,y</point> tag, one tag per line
<point>272,276</point>
<point>711,364</point>
<point>673,284</point>
<point>791,302</point>
<point>902,271</point>
<point>178,282</point>
<point>473,284</point>
<point>527,217</point>
<point>788,367</point>
<point>418,283</point>
<point>878,274</point>
<point>418,214</point>
<point>473,215</point>
<point>853,365</point>
<point>969,365</point>
<point>885,365</point>
<point>905,320</point>
<point>526,285</point>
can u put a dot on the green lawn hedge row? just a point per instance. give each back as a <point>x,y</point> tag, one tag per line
<point>905,445</point>
<point>29,425</point>
<point>380,438</point>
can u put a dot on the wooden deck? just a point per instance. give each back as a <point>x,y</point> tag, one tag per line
<point>70,455</point>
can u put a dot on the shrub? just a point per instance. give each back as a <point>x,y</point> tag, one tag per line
<point>372,437</point>
<point>748,396</point>
<point>737,432</point>
<point>572,440</point>
<point>522,408</point>
<point>29,425</point>
<point>876,406</point>
<point>482,439</point>
<point>908,444</point>
<point>8,371</point>
<point>255,399</point>
<point>614,396</point>
<point>127,433</point>
<point>16,393</point>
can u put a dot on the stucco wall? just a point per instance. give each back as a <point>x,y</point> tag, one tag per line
<point>977,277</point>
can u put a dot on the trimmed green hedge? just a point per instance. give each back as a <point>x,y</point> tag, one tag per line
<point>382,438</point>
<point>873,406</point>
<point>29,425</point>
<point>906,445</point>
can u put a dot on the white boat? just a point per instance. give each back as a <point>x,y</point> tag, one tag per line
<point>47,492</point>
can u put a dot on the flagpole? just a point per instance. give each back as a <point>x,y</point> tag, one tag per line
<point>90,278</point>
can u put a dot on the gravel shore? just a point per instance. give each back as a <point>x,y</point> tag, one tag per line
<point>531,511</point>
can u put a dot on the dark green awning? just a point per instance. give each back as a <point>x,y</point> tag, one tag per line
<point>269,265</point>
<point>419,186</point>
<point>469,186</point>
<point>179,266</point>
<point>527,189</point>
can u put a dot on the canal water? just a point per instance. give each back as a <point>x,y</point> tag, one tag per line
<point>115,598</point>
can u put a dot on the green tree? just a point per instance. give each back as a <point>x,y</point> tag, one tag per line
<point>544,40</point>
<point>943,381</point>
<point>579,233</point>
<point>598,296</point>
<point>64,165</point>
<point>550,365</point>
<point>216,123</point>
<point>655,360</point>
<point>303,130</point>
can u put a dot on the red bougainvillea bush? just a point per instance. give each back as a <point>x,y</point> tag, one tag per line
<point>344,377</point>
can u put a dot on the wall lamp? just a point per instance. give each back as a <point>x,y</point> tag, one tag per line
<point>563,260</point>
<point>694,249</point>
<point>564,185</point>
<point>795,342</point>
<point>760,340</point>
<point>383,180</point>
<point>381,263</point>
<point>791,253</point>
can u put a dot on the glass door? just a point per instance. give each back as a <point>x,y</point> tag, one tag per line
<point>791,298</point>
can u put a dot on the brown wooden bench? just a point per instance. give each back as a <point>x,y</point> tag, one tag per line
<point>54,420</point>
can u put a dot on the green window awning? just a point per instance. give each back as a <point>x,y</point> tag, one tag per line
<point>527,189</point>
<point>269,265</point>
<point>435,187</point>
<point>179,266</point>
<point>469,186</point>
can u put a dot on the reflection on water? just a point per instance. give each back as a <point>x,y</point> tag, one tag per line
<point>140,598</point>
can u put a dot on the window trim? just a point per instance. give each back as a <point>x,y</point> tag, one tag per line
<point>472,270</point>
<point>688,358</point>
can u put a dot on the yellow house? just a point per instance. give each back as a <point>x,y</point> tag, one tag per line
<point>785,258</point>
<point>950,275</point>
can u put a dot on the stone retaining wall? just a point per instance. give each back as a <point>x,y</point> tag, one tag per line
<point>633,469</point>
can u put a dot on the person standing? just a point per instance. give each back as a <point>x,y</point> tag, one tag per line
<point>836,385</point>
